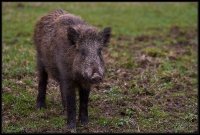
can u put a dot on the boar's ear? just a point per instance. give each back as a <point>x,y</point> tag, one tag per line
<point>72,35</point>
<point>106,34</point>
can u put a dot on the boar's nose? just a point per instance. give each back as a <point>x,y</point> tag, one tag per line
<point>96,78</point>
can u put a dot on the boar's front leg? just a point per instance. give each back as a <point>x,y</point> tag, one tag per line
<point>83,108</point>
<point>68,90</point>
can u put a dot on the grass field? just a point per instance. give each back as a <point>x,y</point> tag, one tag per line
<point>151,77</point>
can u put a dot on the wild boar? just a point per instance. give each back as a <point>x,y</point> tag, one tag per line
<point>70,51</point>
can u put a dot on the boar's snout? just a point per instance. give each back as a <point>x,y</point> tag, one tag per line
<point>96,78</point>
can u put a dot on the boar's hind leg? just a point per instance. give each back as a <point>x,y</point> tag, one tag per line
<point>83,108</point>
<point>43,77</point>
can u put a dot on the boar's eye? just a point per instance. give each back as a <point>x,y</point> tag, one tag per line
<point>83,52</point>
<point>99,51</point>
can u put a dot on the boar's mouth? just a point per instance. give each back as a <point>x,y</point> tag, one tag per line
<point>95,79</point>
<point>92,80</point>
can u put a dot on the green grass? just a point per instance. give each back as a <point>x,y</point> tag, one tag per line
<point>151,77</point>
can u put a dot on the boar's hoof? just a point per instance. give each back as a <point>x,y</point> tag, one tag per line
<point>71,126</point>
<point>40,105</point>
<point>70,130</point>
<point>84,122</point>
<point>73,130</point>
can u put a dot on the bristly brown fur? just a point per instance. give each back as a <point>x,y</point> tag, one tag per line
<point>69,50</point>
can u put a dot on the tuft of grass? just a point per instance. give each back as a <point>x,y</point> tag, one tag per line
<point>102,121</point>
<point>154,52</point>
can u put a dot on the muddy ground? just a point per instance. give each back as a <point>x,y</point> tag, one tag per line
<point>150,86</point>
